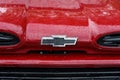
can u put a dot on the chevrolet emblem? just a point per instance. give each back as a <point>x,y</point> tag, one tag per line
<point>58,41</point>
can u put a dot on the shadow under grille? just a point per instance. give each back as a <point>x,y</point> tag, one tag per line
<point>58,74</point>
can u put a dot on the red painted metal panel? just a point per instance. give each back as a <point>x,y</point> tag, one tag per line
<point>87,20</point>
<point>66,4</point>
<point>60,61</point>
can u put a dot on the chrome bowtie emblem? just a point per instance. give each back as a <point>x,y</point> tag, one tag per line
<point>58,41</point>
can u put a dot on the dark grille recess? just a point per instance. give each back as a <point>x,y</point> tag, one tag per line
<point>7,39</point>
<point>59,74</point>
<point>112,40</point>
<point>56,51</point>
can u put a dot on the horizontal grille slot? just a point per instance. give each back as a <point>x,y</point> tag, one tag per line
<point>63,78</point>
<point>7,39</point>
<point>59,74</point>
<point>112,40</point>
<point>56,52</point>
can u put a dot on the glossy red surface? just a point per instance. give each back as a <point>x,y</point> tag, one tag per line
<point>60,61</point>
<point>87,20</point>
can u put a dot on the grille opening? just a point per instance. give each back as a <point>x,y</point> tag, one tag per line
<point>57,52</point>
<point>59,74</point>
<point>7,39</point>
<point>112,40</point>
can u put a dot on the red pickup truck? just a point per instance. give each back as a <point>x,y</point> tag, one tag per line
<point>40,39</point>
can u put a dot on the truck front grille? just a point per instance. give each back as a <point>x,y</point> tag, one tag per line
<point>59,74</point>
<point>112,40</point>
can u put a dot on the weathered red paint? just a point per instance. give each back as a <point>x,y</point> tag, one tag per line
<point>31,20</point>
